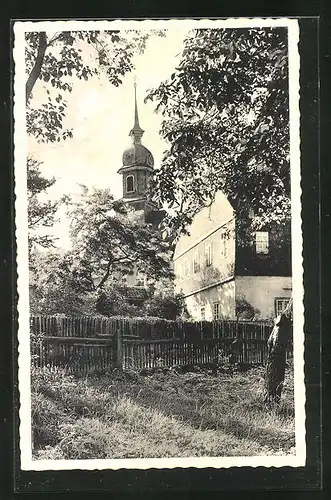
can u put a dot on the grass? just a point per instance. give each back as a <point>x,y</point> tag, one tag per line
<point>167,413</point>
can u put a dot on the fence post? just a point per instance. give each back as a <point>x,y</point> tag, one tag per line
<point>119,347</point>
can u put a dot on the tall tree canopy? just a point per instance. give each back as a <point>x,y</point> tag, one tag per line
<point>226,117</point>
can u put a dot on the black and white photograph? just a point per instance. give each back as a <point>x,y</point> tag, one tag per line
<point>159,245</point>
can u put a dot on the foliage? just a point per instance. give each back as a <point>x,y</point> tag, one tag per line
<point>113,301</point>
<point>159,301</point>
<point>245,310</point>
<point>168,307</point>
<point>41,214</point>
<point>109,237</point>
<point>164,302</point>
<point>57,59</point>
<point>225,111</point>
<point>54,288</point>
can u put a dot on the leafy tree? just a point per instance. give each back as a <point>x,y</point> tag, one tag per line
<point>41,214</point>
<point>110,240</point>
<point>226,116</point>
<point>54,288</point>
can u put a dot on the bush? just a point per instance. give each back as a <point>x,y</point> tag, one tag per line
<point>245,310</point>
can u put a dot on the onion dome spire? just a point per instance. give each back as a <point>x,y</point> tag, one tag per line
<point>136,132</point>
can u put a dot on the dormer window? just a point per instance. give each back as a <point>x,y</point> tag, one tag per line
<point>262,242</point>
<point>129,184</point>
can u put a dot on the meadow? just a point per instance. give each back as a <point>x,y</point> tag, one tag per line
<point>159,413</point>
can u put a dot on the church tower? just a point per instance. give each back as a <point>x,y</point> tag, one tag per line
<point>137,170</point>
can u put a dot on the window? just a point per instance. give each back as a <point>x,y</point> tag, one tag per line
<point>208,254</point>
<point>203,313</point>
<point>140,280</point>
<point>262,242</point>
<point>187,268</point>
<point>129,183</point>
<point>281,304</point>
<point>124,280</point>
<point>216,310</point>
<point>196,263</point>
<point>224,245</point>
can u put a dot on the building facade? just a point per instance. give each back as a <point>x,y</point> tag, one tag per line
<point>225,270</point>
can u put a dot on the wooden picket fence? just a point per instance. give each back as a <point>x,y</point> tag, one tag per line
<point>87,345</point>
<point>148,329</point>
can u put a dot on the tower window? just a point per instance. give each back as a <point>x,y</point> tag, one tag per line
<point>129,184</point>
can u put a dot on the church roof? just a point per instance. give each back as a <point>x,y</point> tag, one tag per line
<point>137,154</point>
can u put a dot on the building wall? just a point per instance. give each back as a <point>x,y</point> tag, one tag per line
<point>261,292</point>
<point>207,255</point>
<point>223,294</point>
<point>141,181</point>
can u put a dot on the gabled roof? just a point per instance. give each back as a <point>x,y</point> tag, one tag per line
<point>207,220</point>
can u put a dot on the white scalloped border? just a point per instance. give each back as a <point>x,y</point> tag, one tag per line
<point>20,150</point>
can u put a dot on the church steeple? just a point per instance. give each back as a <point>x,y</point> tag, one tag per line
<point>137,170</point>
<point>136,132</point>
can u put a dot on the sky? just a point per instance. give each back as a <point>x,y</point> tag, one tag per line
<point>101,116</point>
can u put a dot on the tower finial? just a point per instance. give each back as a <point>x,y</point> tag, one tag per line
<point>136,132</point>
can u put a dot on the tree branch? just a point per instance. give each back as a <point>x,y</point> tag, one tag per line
<point>106,275</point>
<point>56,37</point>
<point>35,72</point>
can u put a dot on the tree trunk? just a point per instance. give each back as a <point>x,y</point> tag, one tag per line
<point>276,361</point>
<point>35,72</point>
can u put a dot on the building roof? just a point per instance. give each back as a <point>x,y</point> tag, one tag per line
<point>137,154</point>
<point>135,293</point>
<point>205,222</point>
